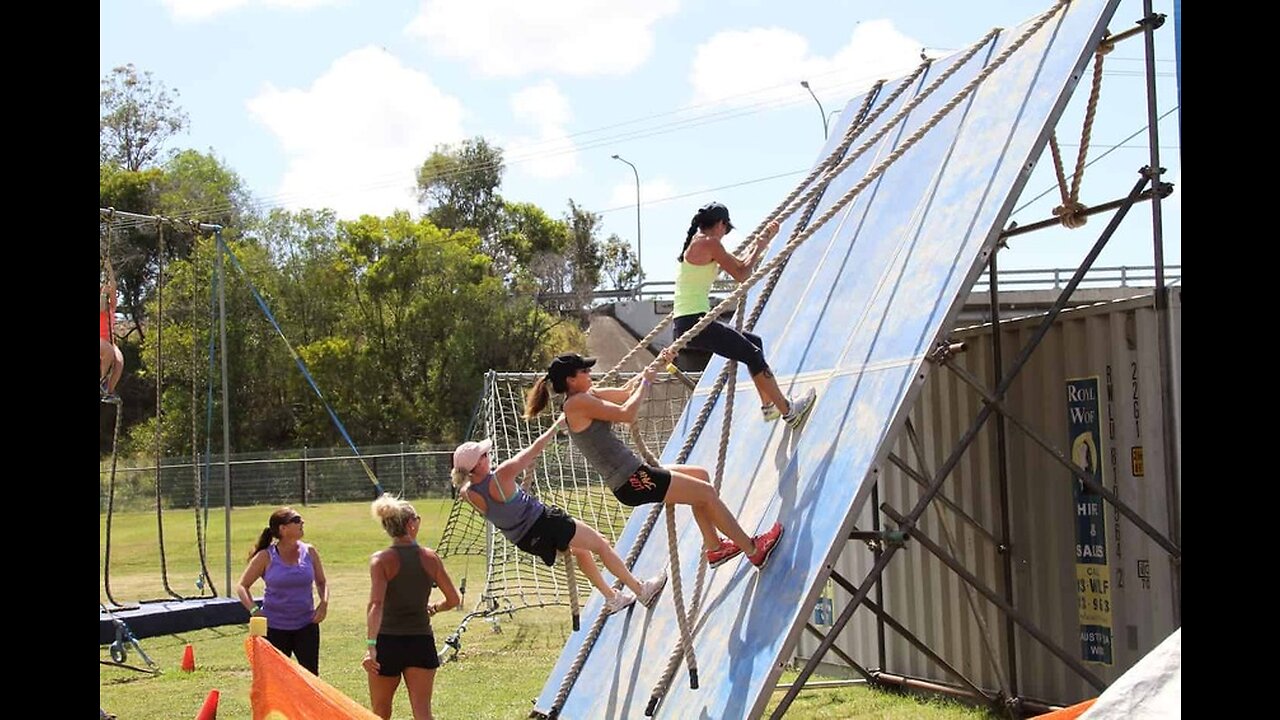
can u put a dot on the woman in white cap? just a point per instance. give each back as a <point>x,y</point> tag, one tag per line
<point>701,260</point>
<point>589,413</point>
<point>543,530</point>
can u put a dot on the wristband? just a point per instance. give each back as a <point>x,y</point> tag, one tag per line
<point>371,643</point>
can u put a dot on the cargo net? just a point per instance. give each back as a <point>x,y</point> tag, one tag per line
<point>516,580</point>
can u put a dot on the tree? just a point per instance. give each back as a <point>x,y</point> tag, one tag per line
<point>137,115</point>
<point>618,263</point>
<point>459,185</point>
<point>583,253</point>
<point>528,234</point>
<point>190,184</point>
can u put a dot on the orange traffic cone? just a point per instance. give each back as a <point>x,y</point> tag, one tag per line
<point>209,711</point>
<point>188,659</point>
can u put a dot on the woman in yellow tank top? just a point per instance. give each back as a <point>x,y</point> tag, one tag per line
<point>701,259</point>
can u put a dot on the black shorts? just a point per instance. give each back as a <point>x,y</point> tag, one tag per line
<point>397,652</point>
<point>550,534</point>
<point>646,485</point>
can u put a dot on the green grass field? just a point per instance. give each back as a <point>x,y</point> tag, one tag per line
<point>498,674</point>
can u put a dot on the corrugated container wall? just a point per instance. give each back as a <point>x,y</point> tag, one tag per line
<point>1114,342</point>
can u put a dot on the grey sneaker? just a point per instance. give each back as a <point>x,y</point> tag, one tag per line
<point>621,600</point>
<point>650,590</point>
<point>770,412</point>
<point>800,409</point>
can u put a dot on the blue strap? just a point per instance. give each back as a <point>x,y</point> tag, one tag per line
<point>301,365</point>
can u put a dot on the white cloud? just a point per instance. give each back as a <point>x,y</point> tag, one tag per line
<point>733,66</point>
<point>550,154</point>
<point>624,193</point>
<point>356,137</point>
<point>198,10</point>
<point>512,38</point>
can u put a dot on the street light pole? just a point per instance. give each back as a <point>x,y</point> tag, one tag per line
<point>805,85</point>
<point>639,257</point>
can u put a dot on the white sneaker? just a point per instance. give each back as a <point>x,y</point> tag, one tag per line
<point>770,412</point>
<point>650,590</point>
<point>621,600</point>
<point>800,409</point>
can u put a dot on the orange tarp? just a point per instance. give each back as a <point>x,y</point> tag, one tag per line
<point>284,690</point>
<point>1068,713</point>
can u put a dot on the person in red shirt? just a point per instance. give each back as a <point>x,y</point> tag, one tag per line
<point>110,361</point>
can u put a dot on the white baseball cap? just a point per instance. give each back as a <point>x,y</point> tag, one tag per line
<point>467,456</point>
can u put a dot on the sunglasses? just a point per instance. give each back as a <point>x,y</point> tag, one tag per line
<point>295,520</point>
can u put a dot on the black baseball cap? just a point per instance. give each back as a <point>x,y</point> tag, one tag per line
<point>565,366</point>
<point>713,211</point>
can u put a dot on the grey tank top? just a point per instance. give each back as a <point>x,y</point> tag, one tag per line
<point>607,454</point>
<point>515,515</point>
<point>404,609</point>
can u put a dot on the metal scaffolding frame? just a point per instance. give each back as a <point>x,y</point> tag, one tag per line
<point>885,543</point>
<point>110,215</point>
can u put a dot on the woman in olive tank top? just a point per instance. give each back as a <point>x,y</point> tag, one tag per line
<point>398,620</point>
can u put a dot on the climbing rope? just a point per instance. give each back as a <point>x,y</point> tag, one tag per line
<point>115,435</point>
<point>1071,211</point>
<point>159,438</point>
<point>784,254</point>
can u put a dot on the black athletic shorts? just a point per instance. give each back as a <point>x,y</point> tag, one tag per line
<point>646,485</point>
<point>550,534</point>
<point>397,652</point>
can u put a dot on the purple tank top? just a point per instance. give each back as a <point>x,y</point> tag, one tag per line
<point>287,601</point>
<point>515,516</point>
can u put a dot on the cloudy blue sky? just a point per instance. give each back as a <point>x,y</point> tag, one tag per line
<point>334,103</point>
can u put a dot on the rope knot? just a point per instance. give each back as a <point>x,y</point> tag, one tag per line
<point>1071,214</point>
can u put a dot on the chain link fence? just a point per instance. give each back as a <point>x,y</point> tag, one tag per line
<point>305,476</point>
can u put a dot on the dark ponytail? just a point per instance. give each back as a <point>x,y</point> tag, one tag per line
<point>537,398</point>
<point>272,530</point>
<point>693,229</point>
<point>264,540</point>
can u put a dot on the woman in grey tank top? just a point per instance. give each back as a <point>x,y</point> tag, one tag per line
<point>543,530</point>
<point>590,413</point>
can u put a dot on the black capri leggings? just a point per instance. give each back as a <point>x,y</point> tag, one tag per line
<point>724,341</point>
<point>303,644</point>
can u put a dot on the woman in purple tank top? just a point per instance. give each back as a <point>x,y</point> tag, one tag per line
<point>543,530</point>
<point>289,569</point>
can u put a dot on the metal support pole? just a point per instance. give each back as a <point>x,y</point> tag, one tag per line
<point>881,650</point>
<point>1077,473</point>
<point>1164,324</point>
<point>841,654</point>
<point>910,637</point>
<point>1005,545</point>
<point>1035,632</point>
<point>226,402</point>
<point>302,478</point>
<point>985,632</point>
<point>954,458</point>
<point>1162,190</point>
<point>922,481</point>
